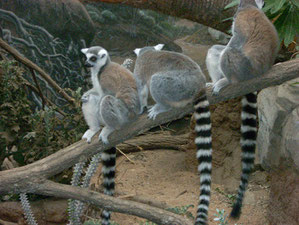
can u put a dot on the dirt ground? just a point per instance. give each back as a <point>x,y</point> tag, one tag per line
<point>164,176</point>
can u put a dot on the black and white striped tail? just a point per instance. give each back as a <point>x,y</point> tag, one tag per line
<point>108,170</point>
<point>203,141</point>
<point>248,143</point>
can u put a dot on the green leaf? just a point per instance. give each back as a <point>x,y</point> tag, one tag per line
<point>232,4</point>
<point>278,4</point>
<point>296,3</point>
<point>287,24</point>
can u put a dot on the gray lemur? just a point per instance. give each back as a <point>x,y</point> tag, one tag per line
<point>174,80</point>
<point>112,102</point>
<point>250,53</point>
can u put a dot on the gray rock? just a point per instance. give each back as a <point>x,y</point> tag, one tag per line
<point>278,149</point>
<point>278,136</point>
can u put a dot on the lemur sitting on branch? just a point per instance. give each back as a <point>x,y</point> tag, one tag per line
<point>250,53</point>
<point>112,102</point>
<point>174,80</point>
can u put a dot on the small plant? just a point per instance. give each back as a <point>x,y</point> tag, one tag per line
<point>221,217</point>
<point>182,210</point>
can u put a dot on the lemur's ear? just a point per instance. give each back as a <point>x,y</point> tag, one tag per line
<point>84,50</point>
<point>137,51</point>
<point>102,53</point>
<point>260,3</point>
<point>159,47</point>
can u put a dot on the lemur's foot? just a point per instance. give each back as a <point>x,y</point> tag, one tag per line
<point>215,90</point>
<point>209,84</point>
<point>103,138</point>
<point>156,110</point>
<point>106,131</point>
<point>89,134</point>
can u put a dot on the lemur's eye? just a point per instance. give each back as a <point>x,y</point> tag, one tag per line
<point>93,58</point>
<point>102,56</point>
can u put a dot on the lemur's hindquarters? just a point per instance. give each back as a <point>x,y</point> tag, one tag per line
<point>108,171</point>
<point>248,143</point>
<point>203,141</point>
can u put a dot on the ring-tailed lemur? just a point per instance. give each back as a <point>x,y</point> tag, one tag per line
<point>112,102</point>
<point>250,53</point>
<point>174,80</point>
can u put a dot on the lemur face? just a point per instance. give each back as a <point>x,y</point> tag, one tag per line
<point>96,57</point>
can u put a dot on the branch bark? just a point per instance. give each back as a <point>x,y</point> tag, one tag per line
<point>153,214</point>
<point>207,12</point>
<point>35,67</point>
<point>32,178</point>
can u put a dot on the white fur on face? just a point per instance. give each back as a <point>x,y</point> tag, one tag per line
<point>159,47</point>
<point>102,52</point>
<point>137,51</point>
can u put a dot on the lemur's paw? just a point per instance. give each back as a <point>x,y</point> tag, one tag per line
<point>209,84</point>
<point>152,113</point>
<point>88,135</point>
<point>103,138</point>
<point>216,91</point>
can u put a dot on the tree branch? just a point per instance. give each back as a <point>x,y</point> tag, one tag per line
<point>151,213</point>
<point>35,67</point>
<point>207,12</point>
<point>31,178</point>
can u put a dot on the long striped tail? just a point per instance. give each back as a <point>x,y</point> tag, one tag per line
<point>108,170</point>
<point>248,143</point>
<point>203,143</point>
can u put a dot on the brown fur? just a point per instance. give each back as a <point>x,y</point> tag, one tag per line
<point>118,81</point>
<point>262,40</point>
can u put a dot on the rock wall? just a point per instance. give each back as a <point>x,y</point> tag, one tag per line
<point>64,19</point>
<point>278,149</point>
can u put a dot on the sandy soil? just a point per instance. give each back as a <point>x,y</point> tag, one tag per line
<point>164,176</point>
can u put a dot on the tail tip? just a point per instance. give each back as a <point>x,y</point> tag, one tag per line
<point>236,211</point>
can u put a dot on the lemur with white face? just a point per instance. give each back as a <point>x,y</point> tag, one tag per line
<point>173,80</point>
<point>112,102</point>
<point>250,53</point>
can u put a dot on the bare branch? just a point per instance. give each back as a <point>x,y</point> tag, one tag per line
<point>35,67</point>
<point>151,213</point>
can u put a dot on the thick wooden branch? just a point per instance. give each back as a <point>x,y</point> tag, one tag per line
<point>151,213</point>
<point>207,12</point>
<point>32,178</point>
<point>35,67</point>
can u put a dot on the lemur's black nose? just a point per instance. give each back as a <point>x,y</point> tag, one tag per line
<point>87,64</point>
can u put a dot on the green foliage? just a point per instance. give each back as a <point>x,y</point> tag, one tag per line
<point>15,111</point>
<point>182,210</point>
<point>29,134</point>
<point>221,217</point>
<point>230,197</point>
<point>284,13</point>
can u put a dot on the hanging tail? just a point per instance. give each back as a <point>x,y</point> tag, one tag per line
<point>203,141</point>
<point>248,143</point>
<point>108,170</point>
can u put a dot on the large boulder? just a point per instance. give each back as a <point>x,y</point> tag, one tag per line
<point>64,18</point>
<point>278,149</point>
